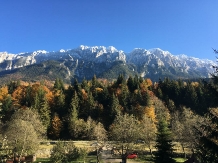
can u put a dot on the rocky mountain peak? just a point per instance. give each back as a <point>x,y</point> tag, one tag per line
<point>88,60</point>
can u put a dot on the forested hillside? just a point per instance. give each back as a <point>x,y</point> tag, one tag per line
<point>102,100</point>
<point>72,112</point>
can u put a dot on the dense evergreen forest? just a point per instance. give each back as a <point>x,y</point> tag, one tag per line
<point>71,112</point>
<point>102,100</point>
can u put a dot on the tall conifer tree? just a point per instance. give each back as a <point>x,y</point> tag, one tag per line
<point>164,144</point>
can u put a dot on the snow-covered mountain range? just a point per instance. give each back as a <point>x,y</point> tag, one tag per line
<point>85,61</point>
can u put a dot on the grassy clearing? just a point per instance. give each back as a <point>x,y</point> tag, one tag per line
<point>89,159</point>
<point>149,159</point>
<point>92,158</point>
<point>180,160</point>
<point>80,144</point>
<point>42,160</point>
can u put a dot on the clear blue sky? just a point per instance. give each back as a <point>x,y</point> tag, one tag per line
<point>180,26</point>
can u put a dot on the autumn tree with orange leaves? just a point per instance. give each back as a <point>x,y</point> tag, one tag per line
<point>55,127</point>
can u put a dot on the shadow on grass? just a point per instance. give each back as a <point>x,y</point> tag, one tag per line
<point>89,159</point>
<point>149,159</point>
<point>92,159</point>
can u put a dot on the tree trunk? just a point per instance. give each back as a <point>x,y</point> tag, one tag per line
<point>183,149</point>
<point>97,155</point>
<point>14,160</point>
<point>124,155</point>
<point>124,159</point>
<point>150,150</point>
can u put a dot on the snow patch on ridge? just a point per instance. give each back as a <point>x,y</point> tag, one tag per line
<point>155,57</point>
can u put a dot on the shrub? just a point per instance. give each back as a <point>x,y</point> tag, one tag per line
<point>64,152</point>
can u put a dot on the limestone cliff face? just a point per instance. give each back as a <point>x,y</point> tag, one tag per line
<point>85,61</point>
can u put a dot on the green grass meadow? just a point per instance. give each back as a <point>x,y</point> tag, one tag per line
<point>92,158</point>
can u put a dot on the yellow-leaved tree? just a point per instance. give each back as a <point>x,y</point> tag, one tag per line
<point>55,127</point>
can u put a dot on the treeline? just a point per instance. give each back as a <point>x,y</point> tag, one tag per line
<point>56,104</point>
<point>59,105</point>
<point>125,109</point>
<point>198,95</point>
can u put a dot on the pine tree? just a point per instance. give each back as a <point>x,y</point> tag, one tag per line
<point>120,80</point>
<point>42,107</point>
<point>44,114</point>
<point>36,102</point>
<point>76,85</point>
<point>59,104</point>
<point>12,86</point>
<point>136,82</point>
<point>95,84</point>
<point>124,98</point>
<point>190,96</point>
<point>59,85</point>
<point>91,105</point>
<point>84,85</point>
<point>5,108</point>
<point>130,84</point>
<point>164,144</point>
<point>73,117</point>
<point>115,106</point>
<point>112,111</point>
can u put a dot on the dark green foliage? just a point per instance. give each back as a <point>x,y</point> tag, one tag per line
<point>73,114</point>
<point>95,83</point>
<point>39,98</point>
<point>41,106</point>
<point>12,86</point>
<point>69,92</point>
<point>207,149</point>
<point>120,80</point>
<point>84,85</point>
<point>111,110</point>
<point>59,104</point>
<point>164,145</point>
<point>124,98</point>
<point>29,100</point>
<point>131,84</point>
<point>64,152</point>
<point>89,106</point>
<point>143,98</point>
<point>74,102</point>
<point>76,85</point>
<point>116,69</point>
<point>199,95</point>
<point>7,104</point>
<point>6,108</point>
<point>48,70</point>
<point>102,100</point>
<point>115,106</point>
<point>44,113</point>
<point>59,85</point>
<point>190,96</point>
